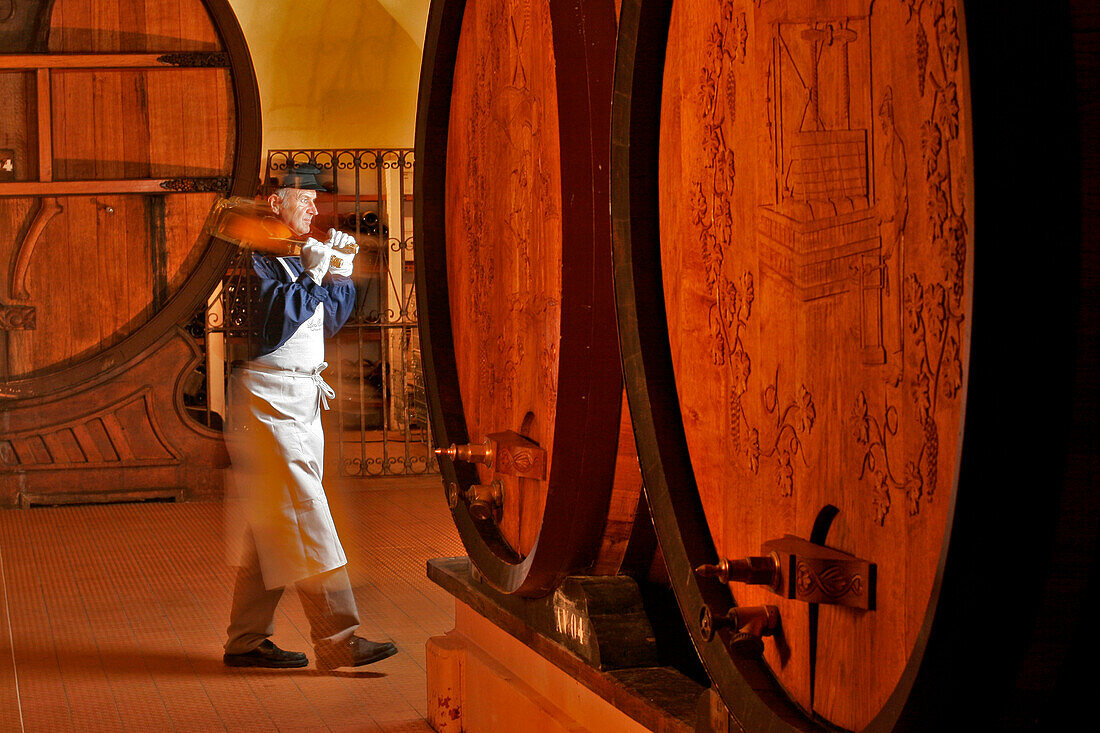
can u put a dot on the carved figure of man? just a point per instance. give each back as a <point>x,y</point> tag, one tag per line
<point>277,505</point>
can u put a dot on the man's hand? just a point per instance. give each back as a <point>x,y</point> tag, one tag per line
<point>341,241</point>
<point>344,249</point>
<point>315,259</point>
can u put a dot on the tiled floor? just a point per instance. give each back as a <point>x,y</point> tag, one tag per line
<point>112,617</point>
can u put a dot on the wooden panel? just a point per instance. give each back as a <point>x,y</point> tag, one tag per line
<point>119,437</point>
<point>126,428</point>
<point>99,270</point>
<point>171,109</point>
<point>505,237</point>
<point>72,261</point>
<point>173,30</point>
<point>25,26</point>
<point>44,124</point>
<point>17,131</point>
<point>16,216</point>
<point>114,116</point>
<point>184,216</point>
<point>100,287</point>
<point>106,21</point>
<point>626,503</point>
<point>80,26</point>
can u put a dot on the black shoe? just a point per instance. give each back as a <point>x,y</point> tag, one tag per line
<point>355,652</point>
<point>266,655</point>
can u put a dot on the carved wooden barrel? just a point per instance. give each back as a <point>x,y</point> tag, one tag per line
<point>851,378</point>
<point>516,304</point>
<point>126,119</point>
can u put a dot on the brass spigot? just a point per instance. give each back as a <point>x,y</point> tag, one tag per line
<point>750,623</point>
<point>751,570</point>
<point>755,620</point>
<point>470,453</point>
<point>486,501</point>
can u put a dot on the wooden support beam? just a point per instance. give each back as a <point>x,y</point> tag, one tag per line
<point>45,126</point>
<point>166,186</point>
<point>111,60</point>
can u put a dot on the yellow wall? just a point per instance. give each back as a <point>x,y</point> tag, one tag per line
<point>335,73</point>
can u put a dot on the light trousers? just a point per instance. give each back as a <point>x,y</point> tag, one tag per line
<point>327,599</point>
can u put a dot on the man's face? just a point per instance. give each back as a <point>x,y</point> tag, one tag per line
<point>297,211</point>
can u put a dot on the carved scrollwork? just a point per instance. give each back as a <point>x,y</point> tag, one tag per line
<point>123,433</point>
<point>506,194</point>
<point>196,59</point>
<point>712,215</point>
<point>48,208</point>
<point>17,318</point>
<point>832,582</point>
<point>932,309</point>
<point>385,465</point>
<point>795,419</point>
<point>934,329</point>
<point>218,184</point>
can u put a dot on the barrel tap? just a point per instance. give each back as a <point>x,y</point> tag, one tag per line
<point>759,570</point>
<point>801,570</point>
<point>470,453</point>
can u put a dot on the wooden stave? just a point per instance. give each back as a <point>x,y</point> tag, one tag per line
<point>576,505</point>
<point>99,367</point>
<point>920,700</point>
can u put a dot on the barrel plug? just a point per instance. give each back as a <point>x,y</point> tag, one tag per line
<point>750,623</point>
<point>486,501</point>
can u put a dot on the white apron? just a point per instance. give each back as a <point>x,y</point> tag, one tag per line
<point>275,442</point>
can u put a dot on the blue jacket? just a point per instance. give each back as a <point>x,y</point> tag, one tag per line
<point>286,304</point>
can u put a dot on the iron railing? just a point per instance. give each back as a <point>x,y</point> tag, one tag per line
<point>379,424</point>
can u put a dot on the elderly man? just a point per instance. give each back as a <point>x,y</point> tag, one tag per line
<point>278,507</point>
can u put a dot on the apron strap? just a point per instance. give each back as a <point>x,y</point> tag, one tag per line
<point>325,392</point>
<point>289,272</point>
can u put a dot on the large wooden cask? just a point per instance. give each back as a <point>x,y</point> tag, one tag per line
<point>853,272</point>
<point>516,304</point>
<point>127,119</point>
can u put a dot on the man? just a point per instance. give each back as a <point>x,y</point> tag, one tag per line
<point>277,448</point>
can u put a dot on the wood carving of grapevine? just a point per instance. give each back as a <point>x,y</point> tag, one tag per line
<point>933,311</point>
<point>712,215</point>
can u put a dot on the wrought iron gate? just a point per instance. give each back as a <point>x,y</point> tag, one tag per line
<point>379,423</point>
